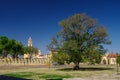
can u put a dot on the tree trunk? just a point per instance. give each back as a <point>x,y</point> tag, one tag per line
<point>76,67</point>
<point>4,53</point>
<point>15,56</point>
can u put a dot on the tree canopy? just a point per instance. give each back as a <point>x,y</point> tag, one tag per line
<point>10,46</point>
<point>118,59</point>
<point>15,48</point>
<point>32,51</point>
<point>81,38</point>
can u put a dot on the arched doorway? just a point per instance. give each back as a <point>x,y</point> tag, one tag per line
<point>104,61</point>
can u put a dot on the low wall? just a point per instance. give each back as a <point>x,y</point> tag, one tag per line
<point>23,61</point>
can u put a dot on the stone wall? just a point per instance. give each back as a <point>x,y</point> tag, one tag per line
<point>24,61</point>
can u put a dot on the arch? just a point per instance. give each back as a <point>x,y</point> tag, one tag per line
<point>104,61</point>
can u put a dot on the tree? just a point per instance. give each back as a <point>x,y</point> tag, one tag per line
<point>81,38</point>
<point>16,49</point>
<point>31,51</point>
<point>10,46</point>
<point>118,60</point>
<point>4,47</point>
<point>58,57</point>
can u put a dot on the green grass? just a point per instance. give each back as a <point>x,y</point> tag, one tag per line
<point>20,75</point>
<point>57,73</point>
<point>54,76</point>
<point>39,75</point>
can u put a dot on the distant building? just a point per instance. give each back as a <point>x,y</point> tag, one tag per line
<point>30,42</point>
<point>109,58</point>
<point>40,54</point>
<point>26,55</point>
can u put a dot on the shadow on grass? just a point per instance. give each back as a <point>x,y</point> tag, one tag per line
<point>87,69</point>
<point>4,77</point>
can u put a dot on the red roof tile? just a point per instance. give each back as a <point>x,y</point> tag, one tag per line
<point>112,55</point>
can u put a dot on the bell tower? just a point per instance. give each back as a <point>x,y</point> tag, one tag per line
<point>30,42</point>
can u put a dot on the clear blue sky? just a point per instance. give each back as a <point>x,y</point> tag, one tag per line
<point>39,19</point>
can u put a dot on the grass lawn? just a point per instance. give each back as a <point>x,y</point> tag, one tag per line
<point>57,73</point>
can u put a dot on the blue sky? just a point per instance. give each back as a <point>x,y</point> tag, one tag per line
<point>39,19</point>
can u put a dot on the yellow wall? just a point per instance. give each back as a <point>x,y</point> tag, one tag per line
<point>108,60</point>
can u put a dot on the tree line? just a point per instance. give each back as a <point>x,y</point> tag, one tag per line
<point>14,48</point>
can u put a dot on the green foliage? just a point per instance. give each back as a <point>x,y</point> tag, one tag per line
<point>81,38</point>
<point>60,57</point>
<point>31,50</point>
<point>4,46</point>
<point>118,59</point>
<point>94,54</point>
<point>16,48</point>
<point>10,46</point>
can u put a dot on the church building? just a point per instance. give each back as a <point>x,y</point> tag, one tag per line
<point>26,55</point>
<point>30,42</point>
<point>39,55</point>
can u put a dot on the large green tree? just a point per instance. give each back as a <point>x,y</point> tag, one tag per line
<point>82,38</point>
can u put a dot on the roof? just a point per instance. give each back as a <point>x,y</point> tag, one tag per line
<point>112,55</point>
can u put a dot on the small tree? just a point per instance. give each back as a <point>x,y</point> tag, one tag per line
<point>118,60</point>
<point>81,38</point>
<point>31,51</point>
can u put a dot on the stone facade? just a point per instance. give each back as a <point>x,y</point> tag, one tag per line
<point>109,58</point>
<point>30,42</point>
